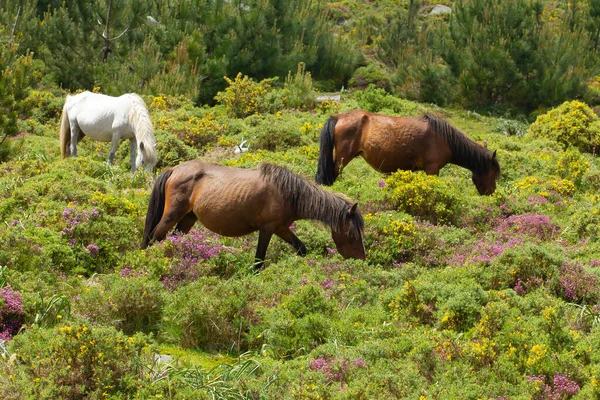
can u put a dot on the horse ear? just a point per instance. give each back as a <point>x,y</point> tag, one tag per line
<point>142,146</point>
<point>352,210</point>
<point>494,155</point>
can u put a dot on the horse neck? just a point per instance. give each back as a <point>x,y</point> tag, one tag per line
<point>307,200</point>
<point>139,118</point>
<point>319,205</point>
<point>466,153</point>
<point>470,155</point>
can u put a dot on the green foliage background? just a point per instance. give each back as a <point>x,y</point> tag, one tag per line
<point>461,296</point>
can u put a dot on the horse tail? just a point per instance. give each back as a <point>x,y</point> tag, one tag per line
<point>65,132</point>
<point>156,207</point>
<point>325,167</point>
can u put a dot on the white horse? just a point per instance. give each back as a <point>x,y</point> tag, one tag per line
<point>109,119</point>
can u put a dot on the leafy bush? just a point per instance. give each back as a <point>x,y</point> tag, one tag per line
<point>298,90</point>
<point>130,303</point>
<point>76,361</point>
<point>424,196</point>
<point>172,151</point>
<point>570,124</point>
<point>275,133</point>
<point>244,96</point>
<point>372,74</point>
<point>200,316</point>
<point>199,133</point>
<point>375,99</point>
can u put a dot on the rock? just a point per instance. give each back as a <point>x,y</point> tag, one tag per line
<point>332,97</point>
<point>162,358</point>
<point>441,9</point>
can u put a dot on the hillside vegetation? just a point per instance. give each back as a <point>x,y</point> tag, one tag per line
<point>461,296</point>
<point>506,57</point>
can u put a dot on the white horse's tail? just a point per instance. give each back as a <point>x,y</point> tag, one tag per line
<point>65,132</point>
<point>144,132</point>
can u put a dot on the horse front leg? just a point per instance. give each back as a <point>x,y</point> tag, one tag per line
<point>114,144</point>
<point>289,236</point>
<point>132,154</point>
<point>264,238</point>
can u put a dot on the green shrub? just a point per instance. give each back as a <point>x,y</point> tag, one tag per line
<point>276,134</point>
<point>570,124</point>
<point>372,74</point>
<point>298,90</point>
<point>208,314</point>
<point>244,96</point>
<point>172,151</point>
<point>131,303</point>
<point>45,105</point>
<point>197,132</point>
<point>424,196</point>
<point>374,99</point>
<point>289,336</point>
<point>77,361</point>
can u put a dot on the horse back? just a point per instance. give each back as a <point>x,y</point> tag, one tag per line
<point>228,201</point>
<point>390,143</point>
<point>99,116</point>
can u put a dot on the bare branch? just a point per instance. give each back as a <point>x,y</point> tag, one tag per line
<point>12,34</point>
<point>122,33</point>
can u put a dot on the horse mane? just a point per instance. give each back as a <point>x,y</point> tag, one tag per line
<point>465,152</point>
<point>311,202</point>
<point>144,132</point>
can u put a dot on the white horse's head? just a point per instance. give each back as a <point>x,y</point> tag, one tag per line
<point>144,133</point>
<point>146,156</point>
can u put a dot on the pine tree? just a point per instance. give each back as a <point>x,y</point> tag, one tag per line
<point>505,56</point>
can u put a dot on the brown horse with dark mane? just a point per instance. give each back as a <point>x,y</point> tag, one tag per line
<point>237,202</point>
<point>389,144</point>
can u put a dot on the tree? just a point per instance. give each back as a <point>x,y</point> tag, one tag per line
<point>17,75</point>
<point>504,55</point>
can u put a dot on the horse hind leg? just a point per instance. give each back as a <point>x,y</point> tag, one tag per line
<point>186,223</point>
<point>76,136</point>
<point>176,215</point>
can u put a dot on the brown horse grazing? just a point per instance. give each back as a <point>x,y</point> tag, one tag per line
<point>236,202</point>
<point>390,143</point>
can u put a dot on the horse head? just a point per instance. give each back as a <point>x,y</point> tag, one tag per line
<point>146,157</point>
<point>485,181</point>
<point>348,237</point>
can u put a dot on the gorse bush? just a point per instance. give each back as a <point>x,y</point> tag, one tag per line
<point>78,360</point>
<point>172,151</point>
<point>424,196</point>
<point>244,96</point>
<point>130,303</point>
<point>198,133</point>
<point>570,124</point>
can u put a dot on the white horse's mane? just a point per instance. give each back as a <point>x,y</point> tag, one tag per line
<point>139,118</point>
